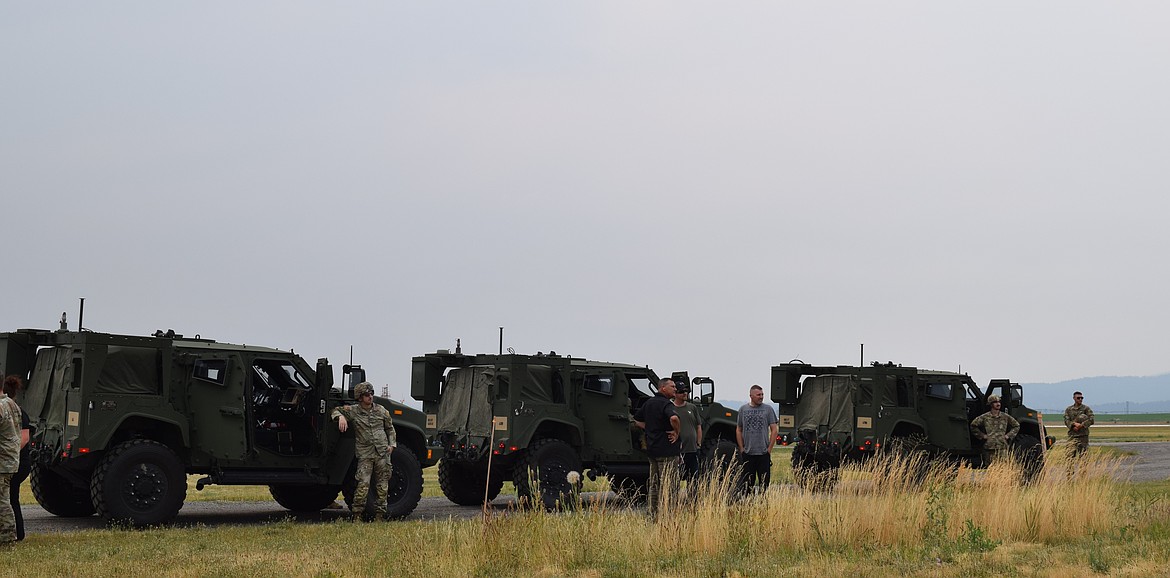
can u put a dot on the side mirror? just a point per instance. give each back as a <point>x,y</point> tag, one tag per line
<point>785,385</point>
<point>356,375</point>
<point>706,388</point>
<point>425,378</point>
<point>1015,395</point>
<point>324,374</point>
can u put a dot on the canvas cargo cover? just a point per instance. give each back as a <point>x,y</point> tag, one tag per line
<point>826,404</point>
<point>466,404</point>
<point>44,398</point>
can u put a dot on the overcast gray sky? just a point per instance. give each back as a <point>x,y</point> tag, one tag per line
<point>717,187</point>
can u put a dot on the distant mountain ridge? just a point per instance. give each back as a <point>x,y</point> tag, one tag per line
<point>1105,394</point>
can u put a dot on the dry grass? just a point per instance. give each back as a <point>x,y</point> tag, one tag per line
<point>883,519</point>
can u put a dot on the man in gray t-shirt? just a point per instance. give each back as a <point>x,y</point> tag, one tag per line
<point>755,432</point>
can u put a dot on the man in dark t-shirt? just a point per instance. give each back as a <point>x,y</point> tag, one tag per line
<point>658,418</point>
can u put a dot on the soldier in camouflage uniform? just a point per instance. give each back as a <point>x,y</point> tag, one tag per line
<point>1077,418</point>
<point>996,428</point>
<point>9,464</point>
<point>376,439</point>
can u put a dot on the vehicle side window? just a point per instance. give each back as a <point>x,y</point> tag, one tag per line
<point>213,370</point>
<point>940,390</point>
<point>902,390</point>
<point>865,392</point>
<point>602,384</point>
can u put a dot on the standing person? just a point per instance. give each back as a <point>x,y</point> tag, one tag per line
<point>996,428</point>
<point>12,385</point>
<point>755,432</point>
<point>376,440</point>
<point>690,432</point>
<point>1077,418</point>
<point>9,463</point>
<point>658,418</point>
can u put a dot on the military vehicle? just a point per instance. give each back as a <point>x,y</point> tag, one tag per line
<point>535,418</point>
<point>121,420</point>
<point>835,414</point>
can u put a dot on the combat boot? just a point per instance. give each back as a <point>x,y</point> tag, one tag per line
<point>355,516</point>
<point>380,517</point>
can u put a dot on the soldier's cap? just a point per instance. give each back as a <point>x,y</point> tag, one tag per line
<point>682,388</point>
<point>992,399</point>
<point>363,388</point>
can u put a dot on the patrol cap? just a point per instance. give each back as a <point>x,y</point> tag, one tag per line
<point>682,387</point>
<point>992,399</point>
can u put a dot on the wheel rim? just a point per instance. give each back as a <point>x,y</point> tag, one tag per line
<point>145,487</point>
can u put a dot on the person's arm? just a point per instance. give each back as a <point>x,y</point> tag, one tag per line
<point>976,424</point>
<point>773,429</point>
<point>1089,419</point>
<point>675,428</point>
<point>339,415</point>
<point>698,433</point>
<point>1068,419</point>
<point>23,438</point>
<point>1015,427</point>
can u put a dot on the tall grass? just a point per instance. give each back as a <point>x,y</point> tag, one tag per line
<point>885,517</point>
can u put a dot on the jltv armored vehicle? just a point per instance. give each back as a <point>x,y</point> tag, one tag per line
<point>121,420</point>
<point>834,414</point>
<point>539,417</point>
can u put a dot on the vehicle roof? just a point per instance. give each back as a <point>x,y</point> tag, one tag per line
<point>179,342</point>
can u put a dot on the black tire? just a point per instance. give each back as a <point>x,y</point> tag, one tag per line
<point>304,498</point>
<point>57,495</point>
<point>1030,453</point>
<point>548,463</point>
<point>405,488</point>
<point>464,483</point>
<point>810,473</point>
<point>630,489</point>
<point>139,482</point>
<point>717,456</point>
<point>914,456</point>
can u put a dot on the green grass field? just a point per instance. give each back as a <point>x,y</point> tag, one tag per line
<point>1134,418</point>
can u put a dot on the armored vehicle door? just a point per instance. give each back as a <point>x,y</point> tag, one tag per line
<point>604,408</point>
<point>285,408</point>
<point>942,407</point>
<point>215,399</point>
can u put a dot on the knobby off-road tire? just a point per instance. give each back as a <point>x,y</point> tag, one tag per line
<point>406,485</point>
<point>547,464</point>
<point>1030,453</point>
<point>304,498</point>
<point>57,495</point>
<point>810,474</point>
<point>464,483</point>
<point>913,456</point>
<point>139,482</point>
<point>717,457</point>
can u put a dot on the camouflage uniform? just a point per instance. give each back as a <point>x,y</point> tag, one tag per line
<point>998,430</point>
<point>9,464</point>
<point>1078,439</point>
<point>374,429</point>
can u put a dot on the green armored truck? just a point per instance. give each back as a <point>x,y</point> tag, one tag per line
<point>537,418</point>
<point>834,414</point>
<point>121,420</point>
